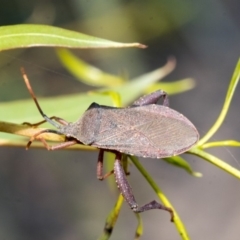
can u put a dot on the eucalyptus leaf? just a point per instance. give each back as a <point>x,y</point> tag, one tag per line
<point>85,72</point>
<point>180,162</point>
<point>33,35</point>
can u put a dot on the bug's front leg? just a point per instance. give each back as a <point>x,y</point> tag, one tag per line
<point>152,98</point>
<point>57,119</point>
<point>55,147</point>
<point>127,192</point>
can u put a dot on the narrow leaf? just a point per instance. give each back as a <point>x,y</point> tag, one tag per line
<point>225,143</point>
<point>86,73</point>
<point>177,221</point>
<point>111,219</point>
<point>33,35</point>
<point>216,161</point>
<point>228,99</point>
<point>180,162</point>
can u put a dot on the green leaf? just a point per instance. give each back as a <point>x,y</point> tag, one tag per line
<point>116,99</point>
<point>33,35</point>
<point>177,221</point>
<point>225,143</point>
<point>215,161</point>
<point>173,87</point>
<point>85,72</point>
<point>95,77</point>
<point>111,219</point>
<point>180,162</point>
<point>226,105</point>
<point>139,229</point>
<point>135,87</point>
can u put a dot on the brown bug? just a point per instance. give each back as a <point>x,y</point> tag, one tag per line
<point>144,129</point>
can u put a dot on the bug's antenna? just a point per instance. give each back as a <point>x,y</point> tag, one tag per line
<point>26,80</point>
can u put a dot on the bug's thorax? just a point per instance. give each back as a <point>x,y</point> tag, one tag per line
<point>85,129</point>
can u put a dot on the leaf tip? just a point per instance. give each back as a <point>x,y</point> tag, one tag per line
<point>142,46</point>
<point>197,174</point>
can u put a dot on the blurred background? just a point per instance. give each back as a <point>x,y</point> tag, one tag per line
<point>55,195</point>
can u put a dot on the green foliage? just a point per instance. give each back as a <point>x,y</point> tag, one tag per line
<point>116,90</point>
<point>33,35</point>
<point>203,144</point>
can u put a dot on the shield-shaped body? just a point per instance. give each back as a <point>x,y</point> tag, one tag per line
<point>154,131</point>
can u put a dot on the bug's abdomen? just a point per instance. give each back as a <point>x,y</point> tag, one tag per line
<point>148,131</point>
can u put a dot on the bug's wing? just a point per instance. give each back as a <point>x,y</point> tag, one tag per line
<point>148,131</point>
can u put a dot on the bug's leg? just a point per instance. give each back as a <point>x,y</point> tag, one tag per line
<point>55,147</point>
<point>127,192</point>
<point>152,98</point>
<point>39,133</point>
<point>100,175</point>
<point>58,146</point>
<point>47,119</point>
<point>125,164</point>
<point>57,119</point>
<point>155,205</point>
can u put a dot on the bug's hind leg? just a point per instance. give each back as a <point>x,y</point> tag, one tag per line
<point>100,175</point>
<point>154,205</point>
<point>127,192</point>
<point>152,98</point>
